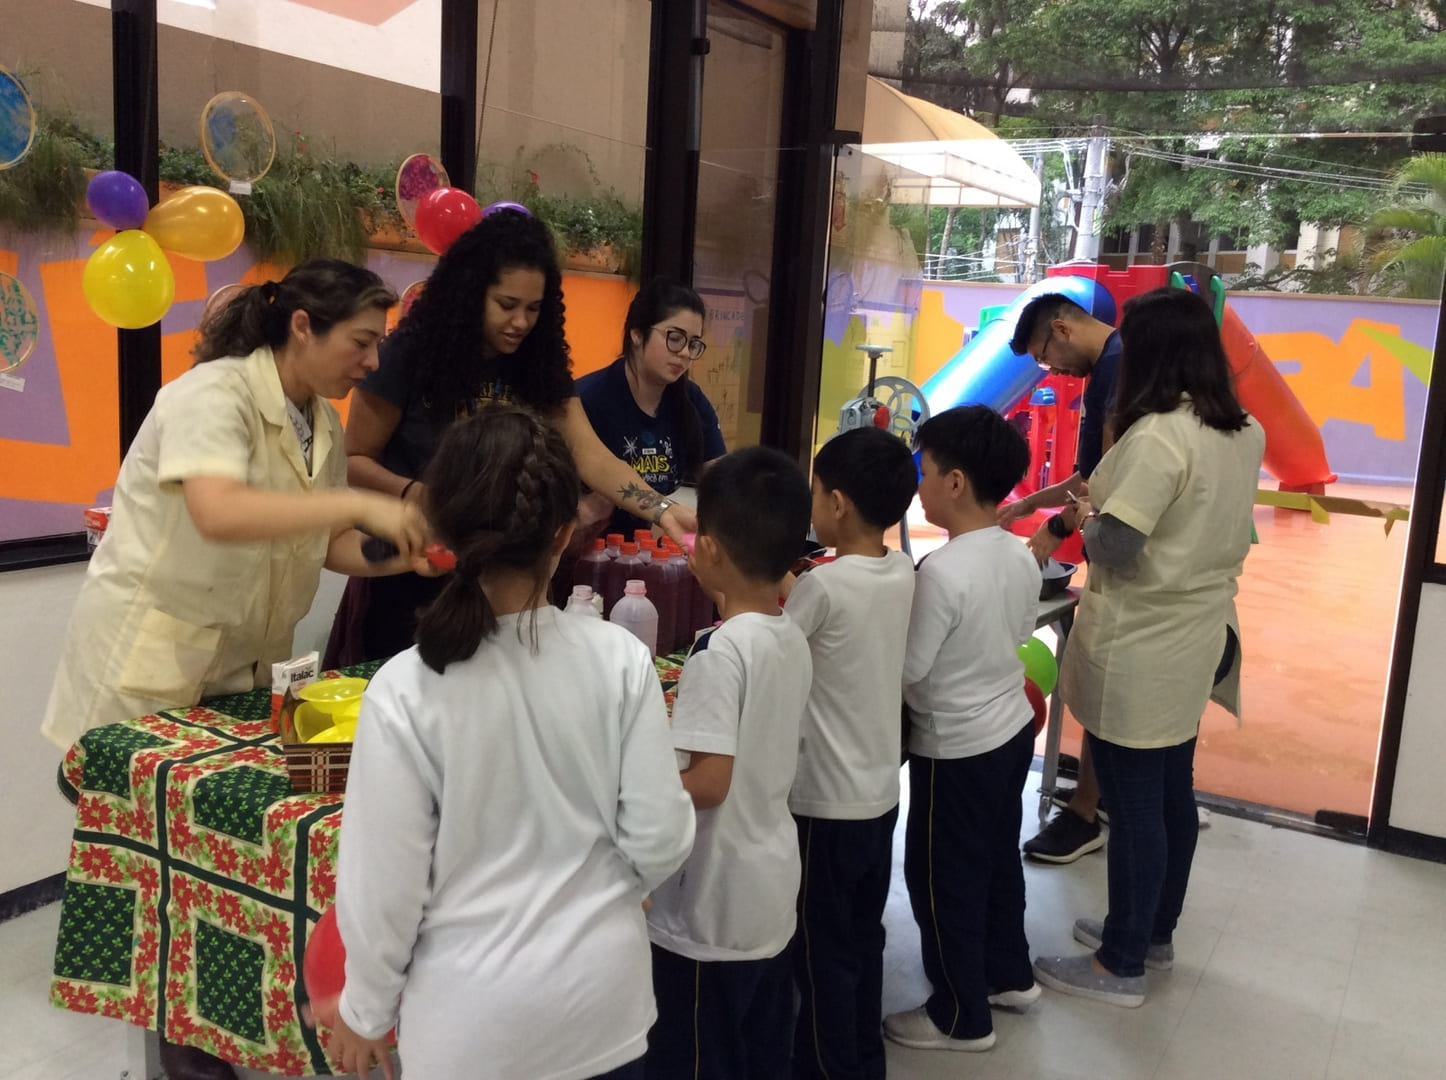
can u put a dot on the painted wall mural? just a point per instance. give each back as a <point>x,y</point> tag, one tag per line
<point>1358,365</point>
<point>60,411</point>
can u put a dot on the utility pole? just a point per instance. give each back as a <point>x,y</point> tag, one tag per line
<point>1088,246</point>
<point>1031,246</point>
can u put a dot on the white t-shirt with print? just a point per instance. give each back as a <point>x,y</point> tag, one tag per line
<point>742,693</point>
<point>855,613</point>
<point>976,600</point>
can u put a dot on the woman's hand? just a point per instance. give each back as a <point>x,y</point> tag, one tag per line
<point>678,520</point>
<point>1009,513</point>
<point>396,520</point>
<point>1077,508</point>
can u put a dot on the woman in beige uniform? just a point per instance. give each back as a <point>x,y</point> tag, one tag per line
<point>228,504</point>
<point>1156,635</point>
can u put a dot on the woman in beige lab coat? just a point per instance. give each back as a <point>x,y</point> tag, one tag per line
<point>228,504</point>
<point>1154,639</point>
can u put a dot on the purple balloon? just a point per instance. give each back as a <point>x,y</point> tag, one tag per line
<point>506,206</point>
<point>118,200</point>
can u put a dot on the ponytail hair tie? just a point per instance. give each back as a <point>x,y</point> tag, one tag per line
<point>268,292</point>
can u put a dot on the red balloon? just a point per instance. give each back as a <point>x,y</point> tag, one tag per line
<point>324,965</point>
<point>1036,699</point>
<point>443,214</point>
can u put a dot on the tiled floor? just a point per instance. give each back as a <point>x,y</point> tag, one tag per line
<point>1297,957</point>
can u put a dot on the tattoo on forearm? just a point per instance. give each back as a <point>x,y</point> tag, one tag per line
<point>645,497</point>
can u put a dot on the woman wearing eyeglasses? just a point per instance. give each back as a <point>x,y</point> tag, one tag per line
<point>488,327</point>
<point>644,407</point>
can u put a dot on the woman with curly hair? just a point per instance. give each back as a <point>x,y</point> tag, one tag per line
<point>488,327</point>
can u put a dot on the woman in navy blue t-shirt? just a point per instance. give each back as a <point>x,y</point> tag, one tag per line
<point>644,407</point>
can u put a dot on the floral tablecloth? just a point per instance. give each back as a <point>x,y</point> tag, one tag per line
<point>195,876</point>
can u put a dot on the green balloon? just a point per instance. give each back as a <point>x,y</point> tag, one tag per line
<point>1039,665</point>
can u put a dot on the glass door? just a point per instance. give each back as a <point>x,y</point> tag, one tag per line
<point>737,179</point>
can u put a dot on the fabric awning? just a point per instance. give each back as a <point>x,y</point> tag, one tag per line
<point>947,158</point>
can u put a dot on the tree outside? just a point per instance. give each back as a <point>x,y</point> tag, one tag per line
<point>1242,119</point>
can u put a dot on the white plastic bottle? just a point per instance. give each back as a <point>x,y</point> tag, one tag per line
<point>581,603</point>
<point>636,612</point>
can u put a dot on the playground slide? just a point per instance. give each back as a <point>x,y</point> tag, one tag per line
<point>986,371</point>
<point>1294,451</point>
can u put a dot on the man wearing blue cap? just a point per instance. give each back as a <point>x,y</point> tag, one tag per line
<point>1066,339</point>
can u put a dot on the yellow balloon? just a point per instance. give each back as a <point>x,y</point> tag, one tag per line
<point>128,281</point>
<point>202,223</point>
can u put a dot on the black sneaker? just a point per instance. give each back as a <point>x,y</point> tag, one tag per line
<point>1065,839</point>
<point>1062,796</point>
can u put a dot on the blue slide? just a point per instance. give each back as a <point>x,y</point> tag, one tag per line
<point>987,372</point>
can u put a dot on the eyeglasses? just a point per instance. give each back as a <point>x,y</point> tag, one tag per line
<point>680,344</point>
<point>1043,359</point>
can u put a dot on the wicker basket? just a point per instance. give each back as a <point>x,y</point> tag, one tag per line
<point>314,768</point>
<point>317,768</point>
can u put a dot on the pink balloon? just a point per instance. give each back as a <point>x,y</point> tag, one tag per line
<point>443,215</point>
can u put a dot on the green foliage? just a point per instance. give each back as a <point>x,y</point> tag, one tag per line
<point>1412,259</point>
<point>581,224</point>
<point>310,207</point>
<point>44,192</point>
<point>1158,67</point>
<point>185,165</point>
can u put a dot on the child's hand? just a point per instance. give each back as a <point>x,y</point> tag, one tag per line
<point>647,904</point>
<point>355,1054</point>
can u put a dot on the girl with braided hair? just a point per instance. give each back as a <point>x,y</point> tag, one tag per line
<point>513,797</point>
<point>488,327</point>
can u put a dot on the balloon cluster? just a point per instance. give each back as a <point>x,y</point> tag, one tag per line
<point>445,213</point>
<point>128,281</point>
<point>1040,674</point>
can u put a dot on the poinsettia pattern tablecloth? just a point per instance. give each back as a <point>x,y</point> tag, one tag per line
<point>195,876</point>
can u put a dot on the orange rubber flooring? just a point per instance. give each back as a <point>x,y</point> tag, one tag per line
<point>1317,609</point>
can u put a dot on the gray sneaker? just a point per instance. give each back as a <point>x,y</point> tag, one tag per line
<point>1077,975</point>
<point>1090,933</point>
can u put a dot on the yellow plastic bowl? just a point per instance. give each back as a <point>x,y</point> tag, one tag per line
<point>345,731</point>
<point>338,698</point>
<point>310,721</point>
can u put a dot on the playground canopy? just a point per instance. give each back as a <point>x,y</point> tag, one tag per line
<point>947,158</point>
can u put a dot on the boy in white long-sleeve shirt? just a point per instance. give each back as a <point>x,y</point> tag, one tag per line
<point>972,736</point>
<point>845,800</point>
<point>513,797</point>
<point>722,924</point>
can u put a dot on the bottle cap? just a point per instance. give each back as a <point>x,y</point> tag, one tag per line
<point>582,592</point>
<point>642,534</point>
<point>647,543</point>
<point>599,544</point>
<point>615,539</point>
<point>629,548</point>
<point>661,555</point>
<point>634,587</point>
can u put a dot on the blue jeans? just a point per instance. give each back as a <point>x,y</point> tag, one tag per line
<point>1153,829</point>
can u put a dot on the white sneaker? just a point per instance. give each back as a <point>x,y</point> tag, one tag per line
<point>914,1028</point>
<point>1016,999</point>
<point>1203,815</point>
